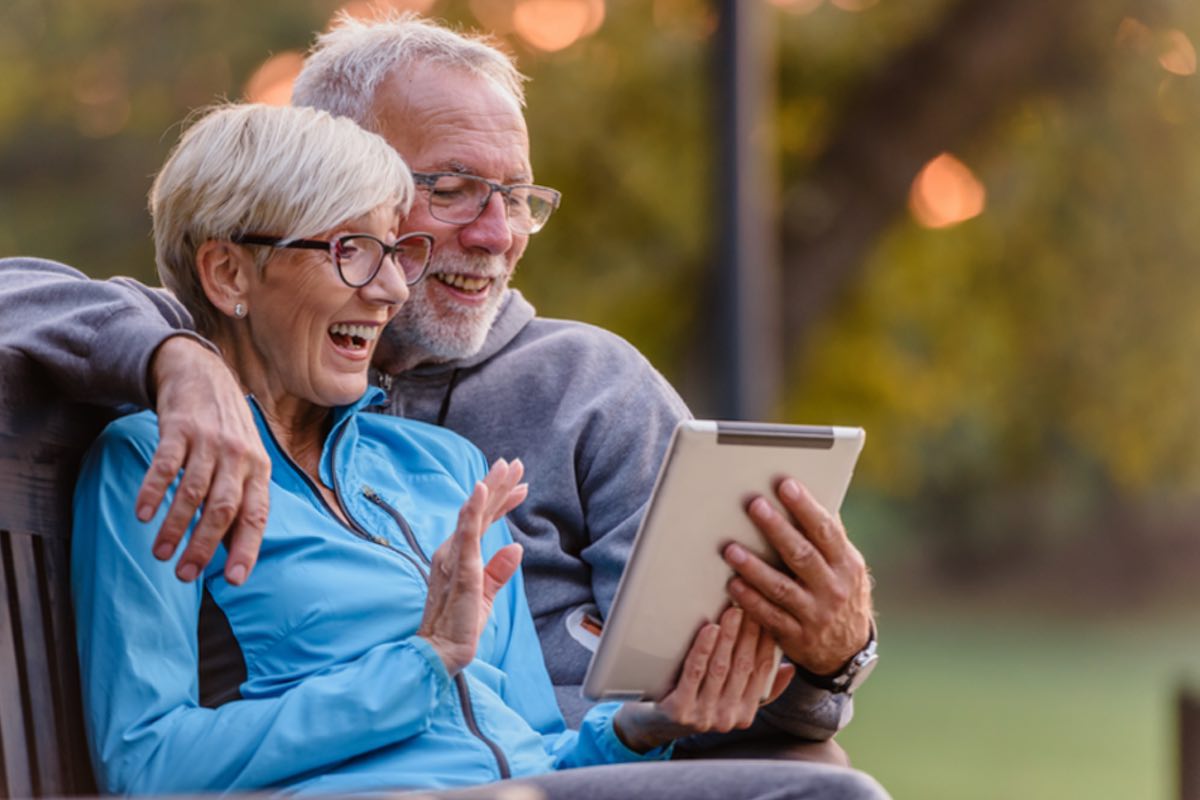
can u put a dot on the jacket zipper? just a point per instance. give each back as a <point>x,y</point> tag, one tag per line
<point>349,523</point>
<point>401,522</point>
<point>460,680</point>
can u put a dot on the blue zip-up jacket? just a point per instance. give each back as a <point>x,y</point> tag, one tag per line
<point>333,690</point>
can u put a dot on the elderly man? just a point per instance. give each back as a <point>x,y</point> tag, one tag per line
<point>583,410</point>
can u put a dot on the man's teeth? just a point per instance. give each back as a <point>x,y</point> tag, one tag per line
<point>365,332</point>
<point>464,282</point>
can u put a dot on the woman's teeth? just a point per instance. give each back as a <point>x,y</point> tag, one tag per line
<point>463,282</point>
<point>354,337</point>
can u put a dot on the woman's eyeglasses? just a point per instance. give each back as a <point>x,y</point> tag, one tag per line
<point>359,256</point>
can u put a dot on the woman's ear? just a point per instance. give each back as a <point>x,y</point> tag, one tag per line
<point>225,271</point>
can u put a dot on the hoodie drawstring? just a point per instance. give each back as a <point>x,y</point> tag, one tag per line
<point>445,407</point>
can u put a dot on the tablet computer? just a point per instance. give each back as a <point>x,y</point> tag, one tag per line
<point>676,579</point>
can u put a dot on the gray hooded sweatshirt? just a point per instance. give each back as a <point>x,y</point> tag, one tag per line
<point>584,411</point>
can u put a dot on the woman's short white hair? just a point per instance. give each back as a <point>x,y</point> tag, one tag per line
<point>348,62</point>
<point>277,171</point>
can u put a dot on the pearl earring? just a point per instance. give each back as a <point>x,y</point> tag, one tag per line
<point>239,310</point>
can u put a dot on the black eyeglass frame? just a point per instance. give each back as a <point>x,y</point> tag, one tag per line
<point>429,180</point>
<point>329,245</point>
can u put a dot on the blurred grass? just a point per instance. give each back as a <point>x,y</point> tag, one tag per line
<point>990,704</point>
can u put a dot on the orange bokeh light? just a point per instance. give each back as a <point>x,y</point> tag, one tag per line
<point>552,25</point>
<point>1179,54</point>
<point>272,82</point>
<point>946,192</point>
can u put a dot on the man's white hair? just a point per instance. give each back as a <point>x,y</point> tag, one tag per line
<point>286,172</point>
<point>349,62</point>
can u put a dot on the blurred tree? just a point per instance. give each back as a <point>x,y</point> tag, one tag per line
<point>1031,371</point>
<point>91,94</point>
<point>1026,375</point>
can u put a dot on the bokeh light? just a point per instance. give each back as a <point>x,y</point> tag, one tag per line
<point>272,82</point>
<point>552,25</point>
<point>946,192</point>
<point>1179,54</point>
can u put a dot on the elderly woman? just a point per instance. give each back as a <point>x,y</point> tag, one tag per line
<point>384,641</point>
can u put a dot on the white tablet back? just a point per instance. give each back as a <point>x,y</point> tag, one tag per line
<point>675,579</point>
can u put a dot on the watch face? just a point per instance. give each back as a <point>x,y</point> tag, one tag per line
<point>863,672</point>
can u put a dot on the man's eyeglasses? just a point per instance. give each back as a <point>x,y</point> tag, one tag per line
<point>459,200</point>
<point>359,256</point>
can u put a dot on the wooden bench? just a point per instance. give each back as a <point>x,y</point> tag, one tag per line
<point>43,751</point>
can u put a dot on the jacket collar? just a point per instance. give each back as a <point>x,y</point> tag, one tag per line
<point>340,417</point>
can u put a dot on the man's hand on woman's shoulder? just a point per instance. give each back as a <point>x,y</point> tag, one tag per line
<point>207,430</point>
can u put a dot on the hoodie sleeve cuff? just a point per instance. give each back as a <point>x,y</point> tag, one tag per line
<point>136,359</point>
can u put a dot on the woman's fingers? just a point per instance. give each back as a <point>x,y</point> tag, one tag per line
<point>746,684</point>
<point>764,660</point>
<point>743,683</point>
<point>461,587</point>
<point>516,496</point>
<point>728,672</point>
<point>502,566</point>
<point>504,482</point>
<point>720,663</point>
<point>695,665</point>
<point>471,524</point>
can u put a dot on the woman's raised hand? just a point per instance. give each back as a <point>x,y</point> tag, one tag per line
<point>461,587</point>
<point>726,675</point>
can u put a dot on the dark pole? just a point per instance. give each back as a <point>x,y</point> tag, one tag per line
<point>1188,721</point>
<point>748,292</point>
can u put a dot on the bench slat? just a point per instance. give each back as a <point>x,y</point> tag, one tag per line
<point>40,664</point>
<point>43,751</point>
<point>15,739</point>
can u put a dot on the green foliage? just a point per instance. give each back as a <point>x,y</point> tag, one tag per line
<point>91,94</point>
<point>1028,370</point>
<point>620,122</point>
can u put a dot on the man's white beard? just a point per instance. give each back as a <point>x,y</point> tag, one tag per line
<point>425,332</point>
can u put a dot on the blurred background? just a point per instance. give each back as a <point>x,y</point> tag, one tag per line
<point>978,220</point>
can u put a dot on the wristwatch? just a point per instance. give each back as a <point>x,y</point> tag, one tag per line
<point>852,675</point>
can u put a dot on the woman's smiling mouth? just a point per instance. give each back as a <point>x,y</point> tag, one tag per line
<point>354,337</point>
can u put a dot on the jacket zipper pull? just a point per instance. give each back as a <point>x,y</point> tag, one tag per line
<point>371,494</point>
